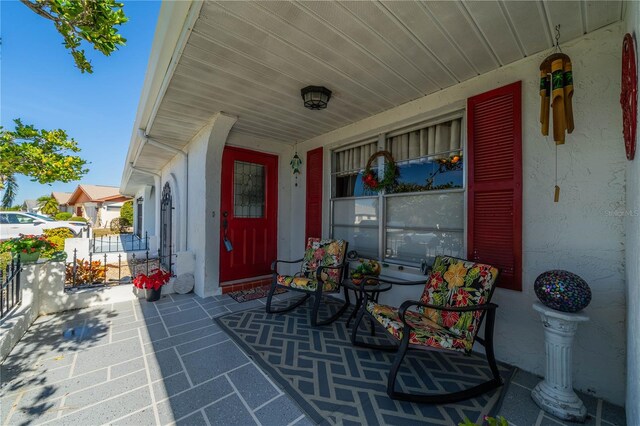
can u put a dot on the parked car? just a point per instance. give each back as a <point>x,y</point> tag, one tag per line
<point>12,224</point>
<point>48,219</point>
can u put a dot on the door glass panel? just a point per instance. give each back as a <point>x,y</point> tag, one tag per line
<point>248,189</point>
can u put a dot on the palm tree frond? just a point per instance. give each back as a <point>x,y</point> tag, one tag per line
<point>10,191</point>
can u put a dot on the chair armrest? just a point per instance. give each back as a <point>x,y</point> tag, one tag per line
<point>320,268</point>
<point>406,305</point>
<point>275,263</point>
<point>377,280</point>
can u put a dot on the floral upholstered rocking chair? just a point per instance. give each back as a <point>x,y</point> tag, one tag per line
<point>454,302</point>
<point>321,272</point>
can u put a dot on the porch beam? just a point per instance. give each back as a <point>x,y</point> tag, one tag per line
<point>143,171</point>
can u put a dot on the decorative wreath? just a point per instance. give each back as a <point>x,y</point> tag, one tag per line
<point>370,176</point>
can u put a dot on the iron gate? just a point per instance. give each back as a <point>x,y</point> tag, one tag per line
<point>166,213</point>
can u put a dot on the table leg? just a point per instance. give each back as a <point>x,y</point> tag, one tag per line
<point>356,307</point>
<point>372,323</point>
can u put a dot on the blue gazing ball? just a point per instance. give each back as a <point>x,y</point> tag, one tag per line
<point>562,291</point>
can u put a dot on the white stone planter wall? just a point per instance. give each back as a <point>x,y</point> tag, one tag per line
<point>43,293</point>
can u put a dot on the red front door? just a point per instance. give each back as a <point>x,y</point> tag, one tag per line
<point>249,213</point>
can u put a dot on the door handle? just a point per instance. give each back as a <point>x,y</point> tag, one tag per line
<point>225,239</point>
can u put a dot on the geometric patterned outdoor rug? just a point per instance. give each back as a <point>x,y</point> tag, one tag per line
<point>337,383</point>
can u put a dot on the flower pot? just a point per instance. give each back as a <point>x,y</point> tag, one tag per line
<point>28,257</point>
<point>153,295</point>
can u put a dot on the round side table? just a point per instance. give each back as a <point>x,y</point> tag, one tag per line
<point>555,393</point>
<point>373,291</point>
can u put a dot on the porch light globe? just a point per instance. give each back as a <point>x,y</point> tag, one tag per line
<point>315,97</point>
<point>563,291</point>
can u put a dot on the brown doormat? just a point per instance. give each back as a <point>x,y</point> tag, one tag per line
<point>241,296</point>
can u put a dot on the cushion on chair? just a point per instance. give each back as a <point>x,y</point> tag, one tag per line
<point>324,253</point>
<point>305,283</point>
<point>425,332</point>
<point>457,282</point>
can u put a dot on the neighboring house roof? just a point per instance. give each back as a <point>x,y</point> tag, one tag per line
<point>30,204</point>
<point>61,197</point>
<point>96,193</point>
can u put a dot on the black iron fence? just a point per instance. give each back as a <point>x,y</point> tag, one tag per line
<point>119,243</point>
<point>10,295</point>
<point>99,270</point>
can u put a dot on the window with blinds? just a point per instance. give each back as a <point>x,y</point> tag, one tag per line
<point>348,167</point>
<point>423,214</point>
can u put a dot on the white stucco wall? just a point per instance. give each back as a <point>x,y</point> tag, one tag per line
<point>582,233</point>
<point>200,216</point>
<point>197,159</point>
<point>147,194</point>
<point>632,246</point>
<point>107,215</point>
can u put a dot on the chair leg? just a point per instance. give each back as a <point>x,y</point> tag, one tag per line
<point>488,345</point>
<point>393,373</point>
<point>484,387</point>
<point>272,290</point>
<point>354,335</point>
<point>316,308</point>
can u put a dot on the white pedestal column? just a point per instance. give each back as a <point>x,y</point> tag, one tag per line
<point>555,393</point>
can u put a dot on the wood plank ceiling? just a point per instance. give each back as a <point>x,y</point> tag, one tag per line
<point>251,59</point>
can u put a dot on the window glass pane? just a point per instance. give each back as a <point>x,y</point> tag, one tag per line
<point>356,221</point>
<point>441,211</point>
<point>430,173</point>
<point>420,227</point>
<point>351,186</point>
<point>248,189</point>
<point>413,246</point>
<point>362,212</point>
<point>361,239</point>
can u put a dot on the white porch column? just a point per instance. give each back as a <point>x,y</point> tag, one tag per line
<point>555,393</point>
<point>156,201</point>
<point>207,279</point>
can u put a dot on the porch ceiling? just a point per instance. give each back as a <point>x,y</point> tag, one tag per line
<point>251,59</point>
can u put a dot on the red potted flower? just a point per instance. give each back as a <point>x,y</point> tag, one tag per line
<point>152,283</point>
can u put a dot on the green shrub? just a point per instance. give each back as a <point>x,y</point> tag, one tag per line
<point>5,259</point>
<point>120,224</point>
<point>86,273</point>
<point>77,219</point>
<point>56,237</point>
<point>126,211</point>
<point>63,216</point>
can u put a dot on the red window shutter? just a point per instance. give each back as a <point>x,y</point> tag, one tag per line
<point>494,165</point>
<point>313,226</point>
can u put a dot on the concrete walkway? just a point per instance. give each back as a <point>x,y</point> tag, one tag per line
<point>139,363</point>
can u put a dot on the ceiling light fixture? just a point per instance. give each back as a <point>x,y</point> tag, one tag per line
<point>315,97</point>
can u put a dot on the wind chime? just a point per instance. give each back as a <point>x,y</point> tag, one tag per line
<point>556,91</point>
<point>296,163</point>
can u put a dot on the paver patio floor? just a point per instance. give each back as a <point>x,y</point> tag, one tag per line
<point>139,363</point>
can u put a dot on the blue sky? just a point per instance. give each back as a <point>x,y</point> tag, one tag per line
<point>40,84</point>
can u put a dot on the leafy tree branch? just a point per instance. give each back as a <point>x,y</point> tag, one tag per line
<point>46,156</point>
<point>92,21</point>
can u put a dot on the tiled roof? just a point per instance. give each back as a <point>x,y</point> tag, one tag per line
<point>95,193</point>
<point>61,197</point>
